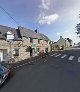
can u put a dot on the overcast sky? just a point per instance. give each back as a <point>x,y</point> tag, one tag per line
<point>54,18</point>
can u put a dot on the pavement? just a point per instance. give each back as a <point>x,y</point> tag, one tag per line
<point>58,72</point>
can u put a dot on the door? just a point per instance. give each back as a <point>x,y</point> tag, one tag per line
<point>46,49</point>
<point>5,58</point>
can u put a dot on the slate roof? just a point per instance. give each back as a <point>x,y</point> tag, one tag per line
<point>5,29</point>
<point>26,32</point>
<point>2,37</point>
<point>21,32</point>
<point>30,33</point>
<point>44,36</point>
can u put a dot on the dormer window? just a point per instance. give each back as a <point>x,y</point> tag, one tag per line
<point>10,36</point>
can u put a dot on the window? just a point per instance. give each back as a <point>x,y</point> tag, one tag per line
<point>38,41</point>
<point>46,49</point>
<point>38,49</point>
<point>31,40</point>
<point>16,52</point>
<point>4,53</point>
<point>47,42</point>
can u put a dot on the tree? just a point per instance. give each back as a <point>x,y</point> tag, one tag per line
<point>78,28</point>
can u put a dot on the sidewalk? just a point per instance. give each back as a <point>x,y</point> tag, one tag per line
<point>12,66</point>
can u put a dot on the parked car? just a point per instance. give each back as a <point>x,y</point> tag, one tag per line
<point>4,72</point>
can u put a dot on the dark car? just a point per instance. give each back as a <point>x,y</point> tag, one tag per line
<point>4,72</point>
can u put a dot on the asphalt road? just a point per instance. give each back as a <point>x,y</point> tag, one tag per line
<point>49,74</point>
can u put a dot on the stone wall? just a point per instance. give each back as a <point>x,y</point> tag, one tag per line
<point>44,44</point>
<point>22,46</point>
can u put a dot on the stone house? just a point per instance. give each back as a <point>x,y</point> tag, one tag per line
<point>70,41</point>
<point>7,47</point>
<point>38,41</point>
<point>62,43</point>
<point>24,40</point>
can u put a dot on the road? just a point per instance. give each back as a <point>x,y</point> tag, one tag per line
<point>58,72</point>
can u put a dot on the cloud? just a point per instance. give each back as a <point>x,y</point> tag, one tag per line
<point>44,16</point>
<point>58,33</point>
<point>49,19</point>
<point>45,4</point>
<point>69,34</point>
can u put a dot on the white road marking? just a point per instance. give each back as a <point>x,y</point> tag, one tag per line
<point>45,60</point>
<point>78,59</point>
<point>71,57</point>
<point>32,61</point>
<point>58,55</point>
<point>15,67</point>
<point>64,56</point>
<point>23,64</point>
<point>20,65</point>
<point>53,54</point>
<point>26,63</point>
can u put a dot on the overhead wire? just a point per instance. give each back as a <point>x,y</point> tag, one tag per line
<point>9,15</point>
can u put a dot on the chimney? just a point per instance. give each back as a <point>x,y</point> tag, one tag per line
<point>60,37</point>
<point>36,31</point>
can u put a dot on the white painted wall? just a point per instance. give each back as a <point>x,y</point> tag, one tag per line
<point>10,36</point>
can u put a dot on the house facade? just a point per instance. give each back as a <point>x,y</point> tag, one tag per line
<point>8,38</point>
<point>38,41</point>
<point>21,43</point>
<point>62,43</point>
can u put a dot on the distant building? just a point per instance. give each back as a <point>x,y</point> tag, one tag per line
<point>63,43</point>
<point>70,41</point>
